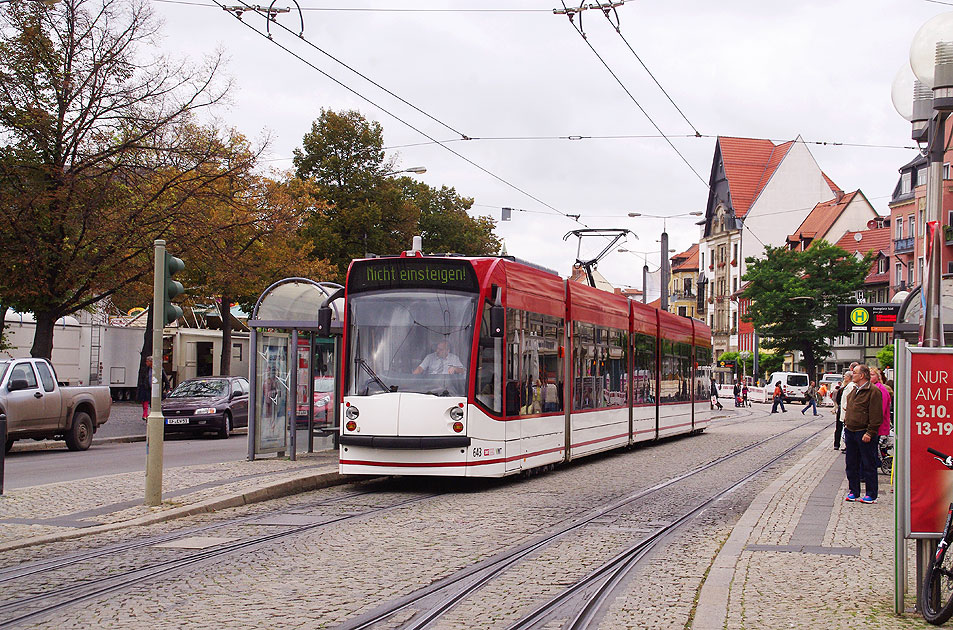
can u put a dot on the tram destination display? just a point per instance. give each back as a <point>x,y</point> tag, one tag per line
<point>411,273</point>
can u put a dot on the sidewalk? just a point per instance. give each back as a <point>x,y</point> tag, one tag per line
<point>802,557</point>
<point>60,511</point>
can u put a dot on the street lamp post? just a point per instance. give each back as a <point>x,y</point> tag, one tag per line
<point>666,263</point>
<point>420,170</point>
<point>931,60</point>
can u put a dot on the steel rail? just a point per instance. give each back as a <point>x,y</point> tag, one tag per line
<point>127,579</point>
<point>483,572</point>
<point>23,570</point>
<point>611,574</point>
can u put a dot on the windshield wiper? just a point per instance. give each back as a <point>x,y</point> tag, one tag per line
<point>360,361</point>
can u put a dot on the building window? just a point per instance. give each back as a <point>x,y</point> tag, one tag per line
<point>688,287</point>
<point>911,226</point>
<point>899,227</point>
<point>734,322</point>
<point>682,311</point>
<point>946,171</point>
<point>882,265</point>
<point>734,284</point>
<point>906,183</point>
<point>910,274</point>
<point>949,267</point>
<point>920,269</point>
<point>899,274</point>
<point>734,251</point>
<point>921,176</point>
<point>702,261</point>
<point>949,218</point>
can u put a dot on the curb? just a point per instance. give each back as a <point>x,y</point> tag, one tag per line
<point>304,483</point>
<point>711,613</point>
<point>49,445</point>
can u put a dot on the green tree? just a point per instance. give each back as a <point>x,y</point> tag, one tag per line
<point>370,212</point>
<point>794,297</point>
<point>445,224</point>
<point>885,357</point>
<point>98,156</point>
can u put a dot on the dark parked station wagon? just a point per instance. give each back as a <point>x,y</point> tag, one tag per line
<point>216,404</point>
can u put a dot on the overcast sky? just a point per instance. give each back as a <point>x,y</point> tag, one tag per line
<point>754,68</point>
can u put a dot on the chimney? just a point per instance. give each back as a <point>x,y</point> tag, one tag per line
<point>838,195</point>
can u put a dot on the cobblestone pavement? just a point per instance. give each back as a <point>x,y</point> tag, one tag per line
<point>327,574</point>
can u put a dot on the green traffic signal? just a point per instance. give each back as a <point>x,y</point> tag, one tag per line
<point>172,312</point>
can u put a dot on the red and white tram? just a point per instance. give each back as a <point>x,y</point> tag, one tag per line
<point>488,366</point>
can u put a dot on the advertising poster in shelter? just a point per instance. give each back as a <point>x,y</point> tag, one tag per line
<point>274,378</point>
<point>931,425</point>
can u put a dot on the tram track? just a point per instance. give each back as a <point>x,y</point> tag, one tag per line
<point>68,595</point>
<point>35,607</point>
<point>453,589</point>
<point>20,571</point>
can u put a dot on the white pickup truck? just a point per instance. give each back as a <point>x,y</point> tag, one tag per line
<point>38,408</point>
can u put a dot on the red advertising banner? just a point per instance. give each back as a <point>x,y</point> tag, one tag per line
<point>931,425</point>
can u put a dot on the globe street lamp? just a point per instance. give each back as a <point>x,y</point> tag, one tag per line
<point>931,61</point>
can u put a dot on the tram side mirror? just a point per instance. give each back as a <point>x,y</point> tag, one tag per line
<point>324,322</point>
<point>496,321</point>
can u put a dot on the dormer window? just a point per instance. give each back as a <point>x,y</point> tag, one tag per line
<point>906,182</point>
<point>882,264</point>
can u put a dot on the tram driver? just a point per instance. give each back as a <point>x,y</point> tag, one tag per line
<point>440,361</point>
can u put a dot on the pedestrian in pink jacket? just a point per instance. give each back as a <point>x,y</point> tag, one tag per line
<point>876,378</point>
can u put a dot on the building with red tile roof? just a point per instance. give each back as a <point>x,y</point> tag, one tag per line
<point>681,289</point>
<point>760,193</point>
<point>831,219</point>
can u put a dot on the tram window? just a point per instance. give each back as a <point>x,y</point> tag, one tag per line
<point>702,373</point>
<point>534,370</point>
<point>616,364</point>
<point>489,377</point>
<point>684,354</point>
<point>590,350</point>
<point>643,373</point>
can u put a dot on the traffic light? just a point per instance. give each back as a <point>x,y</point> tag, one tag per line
<point>170,311</point>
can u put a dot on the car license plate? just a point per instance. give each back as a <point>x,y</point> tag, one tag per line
<point>176,420</point>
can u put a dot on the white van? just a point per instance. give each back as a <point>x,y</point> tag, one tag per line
<point>793,384</point>
<point>830,379</point>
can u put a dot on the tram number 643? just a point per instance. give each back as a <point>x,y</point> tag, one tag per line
<point>478,452</point>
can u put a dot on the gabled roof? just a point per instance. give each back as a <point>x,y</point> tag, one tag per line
<point>876,240</point>
<point>687,260</point>
<point>822,218</point>
<point>579,275</point>
<point>656,303</point>
<point>749,164</point>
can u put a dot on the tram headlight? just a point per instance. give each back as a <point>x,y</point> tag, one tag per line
<point>352,413</point>
<point>456,414</point>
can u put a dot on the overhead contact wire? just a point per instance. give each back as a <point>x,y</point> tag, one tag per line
<point>401,120</point>
<point>634,100</point>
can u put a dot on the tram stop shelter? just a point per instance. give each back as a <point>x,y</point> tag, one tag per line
<point>288,356</point>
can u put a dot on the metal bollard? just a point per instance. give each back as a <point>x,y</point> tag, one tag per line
<point>3,441</point>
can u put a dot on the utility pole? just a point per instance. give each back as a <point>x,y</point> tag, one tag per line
<point>155,426</point>
<point>666,271</point>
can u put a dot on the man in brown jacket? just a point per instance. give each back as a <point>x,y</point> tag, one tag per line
<point>861,423</point>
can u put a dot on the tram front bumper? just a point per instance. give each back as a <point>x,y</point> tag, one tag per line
<point>406,441</point>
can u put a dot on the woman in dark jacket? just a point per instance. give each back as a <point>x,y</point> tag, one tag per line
<point>838,423</point>
<point>144,386</point>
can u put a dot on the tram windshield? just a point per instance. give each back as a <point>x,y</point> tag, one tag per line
<point>410,341</point>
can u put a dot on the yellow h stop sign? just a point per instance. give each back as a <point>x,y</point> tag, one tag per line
<point>859,316</point>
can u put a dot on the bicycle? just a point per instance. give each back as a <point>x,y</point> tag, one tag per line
<point>886,456</point>
<point>936,591</point>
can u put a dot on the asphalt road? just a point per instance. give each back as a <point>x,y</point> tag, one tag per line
<point>51,462</point>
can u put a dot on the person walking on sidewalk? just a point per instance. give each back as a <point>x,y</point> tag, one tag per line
<point>144,387</point>
<point>811,399</point>
<point>861,424</point>
<point>778,399</point>
<point>744,395</point>
<point>714,394</point>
